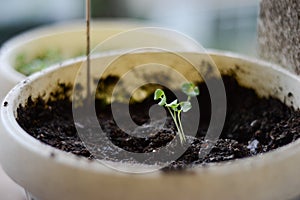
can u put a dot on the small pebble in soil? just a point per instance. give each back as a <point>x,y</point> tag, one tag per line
<point>253,146</point>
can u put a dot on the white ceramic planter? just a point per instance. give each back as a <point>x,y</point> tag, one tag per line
<point>67,37</point>
<point>272,176</point>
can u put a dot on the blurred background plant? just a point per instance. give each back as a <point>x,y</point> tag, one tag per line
<point>228,24</point>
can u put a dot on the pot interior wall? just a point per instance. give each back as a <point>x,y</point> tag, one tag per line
<point>168,69</point>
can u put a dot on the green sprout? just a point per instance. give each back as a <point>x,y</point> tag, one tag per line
<point>175,108</point>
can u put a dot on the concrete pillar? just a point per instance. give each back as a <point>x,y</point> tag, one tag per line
<point>279,33</point>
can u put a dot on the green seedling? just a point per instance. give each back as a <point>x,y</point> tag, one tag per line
<point>175,108</point>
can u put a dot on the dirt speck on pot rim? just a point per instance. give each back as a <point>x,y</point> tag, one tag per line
<point>52,155</point>
<point>5,103</point>
<point>290,94</point>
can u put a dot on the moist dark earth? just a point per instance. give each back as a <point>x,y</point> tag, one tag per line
<point>253,126</point>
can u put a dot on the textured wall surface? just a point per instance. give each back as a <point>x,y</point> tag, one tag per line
<point>279,32</point>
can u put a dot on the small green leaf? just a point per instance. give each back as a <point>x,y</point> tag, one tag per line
<point>185,106</point>
<point>158,94</point>
<point>190,89</point>
<point>173,105</point>
<point>187,87</point>
<point>163,101</point>
<point>196,91</point>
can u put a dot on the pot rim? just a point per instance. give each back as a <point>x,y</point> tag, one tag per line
<point>70,160</point>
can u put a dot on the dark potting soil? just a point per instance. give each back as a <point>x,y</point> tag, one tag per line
<point>253,126</point>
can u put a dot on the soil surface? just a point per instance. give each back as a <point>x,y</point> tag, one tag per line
<point>253,126</point>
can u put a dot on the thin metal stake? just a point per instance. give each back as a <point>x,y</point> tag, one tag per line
<point>88,19</point>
